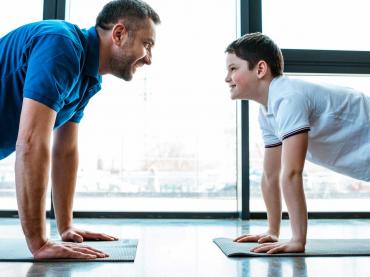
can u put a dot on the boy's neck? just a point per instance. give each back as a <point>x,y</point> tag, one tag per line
<point>263,91</point>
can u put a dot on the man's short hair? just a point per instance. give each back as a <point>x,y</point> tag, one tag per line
<point>255,47</point>
<point>134,12</point>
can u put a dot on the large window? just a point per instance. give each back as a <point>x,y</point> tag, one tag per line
<point>18,12</point>
<point>14,14</point>
<point>317,24</point>
<point>309,27</point>
<point>166,141</point>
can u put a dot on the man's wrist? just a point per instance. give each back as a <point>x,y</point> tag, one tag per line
<point>34,244</point>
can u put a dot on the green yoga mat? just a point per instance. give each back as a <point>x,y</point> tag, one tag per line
<point>15,250</point>
<point>314,248</point>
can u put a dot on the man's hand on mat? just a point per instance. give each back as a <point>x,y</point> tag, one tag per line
<point>261,238</point>
<point>76,235</point>
<point>54,250</point>
<point>278,247</point>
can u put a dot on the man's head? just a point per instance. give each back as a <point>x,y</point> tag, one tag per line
<point>251,58</point>
<point>127,34</point>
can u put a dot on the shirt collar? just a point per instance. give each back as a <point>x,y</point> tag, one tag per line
<point>91,67</point>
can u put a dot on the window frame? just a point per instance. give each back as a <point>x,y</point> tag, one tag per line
<point>296,61</point>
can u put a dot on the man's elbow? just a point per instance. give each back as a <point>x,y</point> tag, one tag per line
<point>28,146</point>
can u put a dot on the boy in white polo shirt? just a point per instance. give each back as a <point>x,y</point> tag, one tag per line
<point>328,125</point>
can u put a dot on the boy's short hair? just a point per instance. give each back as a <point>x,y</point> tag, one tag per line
<point>255,47</point>
<point>133,11</point>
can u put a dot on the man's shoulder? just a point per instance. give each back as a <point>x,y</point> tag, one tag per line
<point>54,27</point>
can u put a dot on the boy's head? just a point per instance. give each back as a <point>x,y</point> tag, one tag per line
<point>255,47</point>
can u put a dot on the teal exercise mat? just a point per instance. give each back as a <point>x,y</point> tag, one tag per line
<point>314,248</point>
<point>124,250</point>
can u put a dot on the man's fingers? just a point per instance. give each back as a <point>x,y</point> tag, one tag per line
<point>98,236</point>
<point>88,249</point>
<point>79,255</point>
<point>85,248</point>
<point>77,238</point>
<point>73,236</point>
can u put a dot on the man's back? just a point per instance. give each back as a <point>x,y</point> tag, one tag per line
<point>42,61</point>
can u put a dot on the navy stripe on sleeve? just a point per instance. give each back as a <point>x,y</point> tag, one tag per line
<point>296,132</point>
<point>273,145</point>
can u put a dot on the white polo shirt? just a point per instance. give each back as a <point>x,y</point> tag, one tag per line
<point>337,120</point>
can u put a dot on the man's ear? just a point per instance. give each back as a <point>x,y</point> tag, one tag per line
<point>119,34</point>
<point>262,69</point>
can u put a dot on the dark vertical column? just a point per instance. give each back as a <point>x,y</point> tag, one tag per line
<point>251,21</point>
<point>54,9</point>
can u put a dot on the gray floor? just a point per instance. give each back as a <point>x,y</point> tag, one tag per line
<point>185,248</point>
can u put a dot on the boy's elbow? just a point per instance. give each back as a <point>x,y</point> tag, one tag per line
<point>292,175</point>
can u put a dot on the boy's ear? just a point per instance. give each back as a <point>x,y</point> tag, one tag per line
<point>262,69</point>
<point>119,33</point>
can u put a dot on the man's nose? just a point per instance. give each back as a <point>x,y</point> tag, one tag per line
<point>148,60</point>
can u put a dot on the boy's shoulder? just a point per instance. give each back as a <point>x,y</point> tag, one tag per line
<point>287,90</point>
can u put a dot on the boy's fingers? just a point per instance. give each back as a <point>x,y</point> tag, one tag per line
<point>267,239</point>
<point>248,239</point>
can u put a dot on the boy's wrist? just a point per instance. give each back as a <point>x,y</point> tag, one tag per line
<point>299,240</point>
<point>273,232</point>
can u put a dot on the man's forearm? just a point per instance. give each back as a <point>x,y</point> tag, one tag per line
<point>272,198</point>
<point>64,173</point>
<point>296,204</point>
<point>31,176</point>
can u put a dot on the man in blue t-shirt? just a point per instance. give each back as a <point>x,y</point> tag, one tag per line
<point>48,72</point>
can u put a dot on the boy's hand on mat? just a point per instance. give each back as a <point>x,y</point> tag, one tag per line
<point>278,247</point>
<point>261,238</point>
<point>54,250</point>
<point>77,235</point>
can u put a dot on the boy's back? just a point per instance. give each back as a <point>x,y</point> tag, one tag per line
<point>337,120</point>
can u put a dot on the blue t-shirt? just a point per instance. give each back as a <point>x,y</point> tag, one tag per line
<point>52,62</point>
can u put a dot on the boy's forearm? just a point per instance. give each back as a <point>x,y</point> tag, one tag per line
<point>272,197</point>
<point>296,203</point>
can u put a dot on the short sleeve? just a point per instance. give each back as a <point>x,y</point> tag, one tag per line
<point>80,110</point>
<point>76,118</point>
<point>269,138</point>
<point>292,115</point>
<point>53,69</point>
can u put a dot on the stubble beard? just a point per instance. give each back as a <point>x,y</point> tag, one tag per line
<point>121,67</point>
